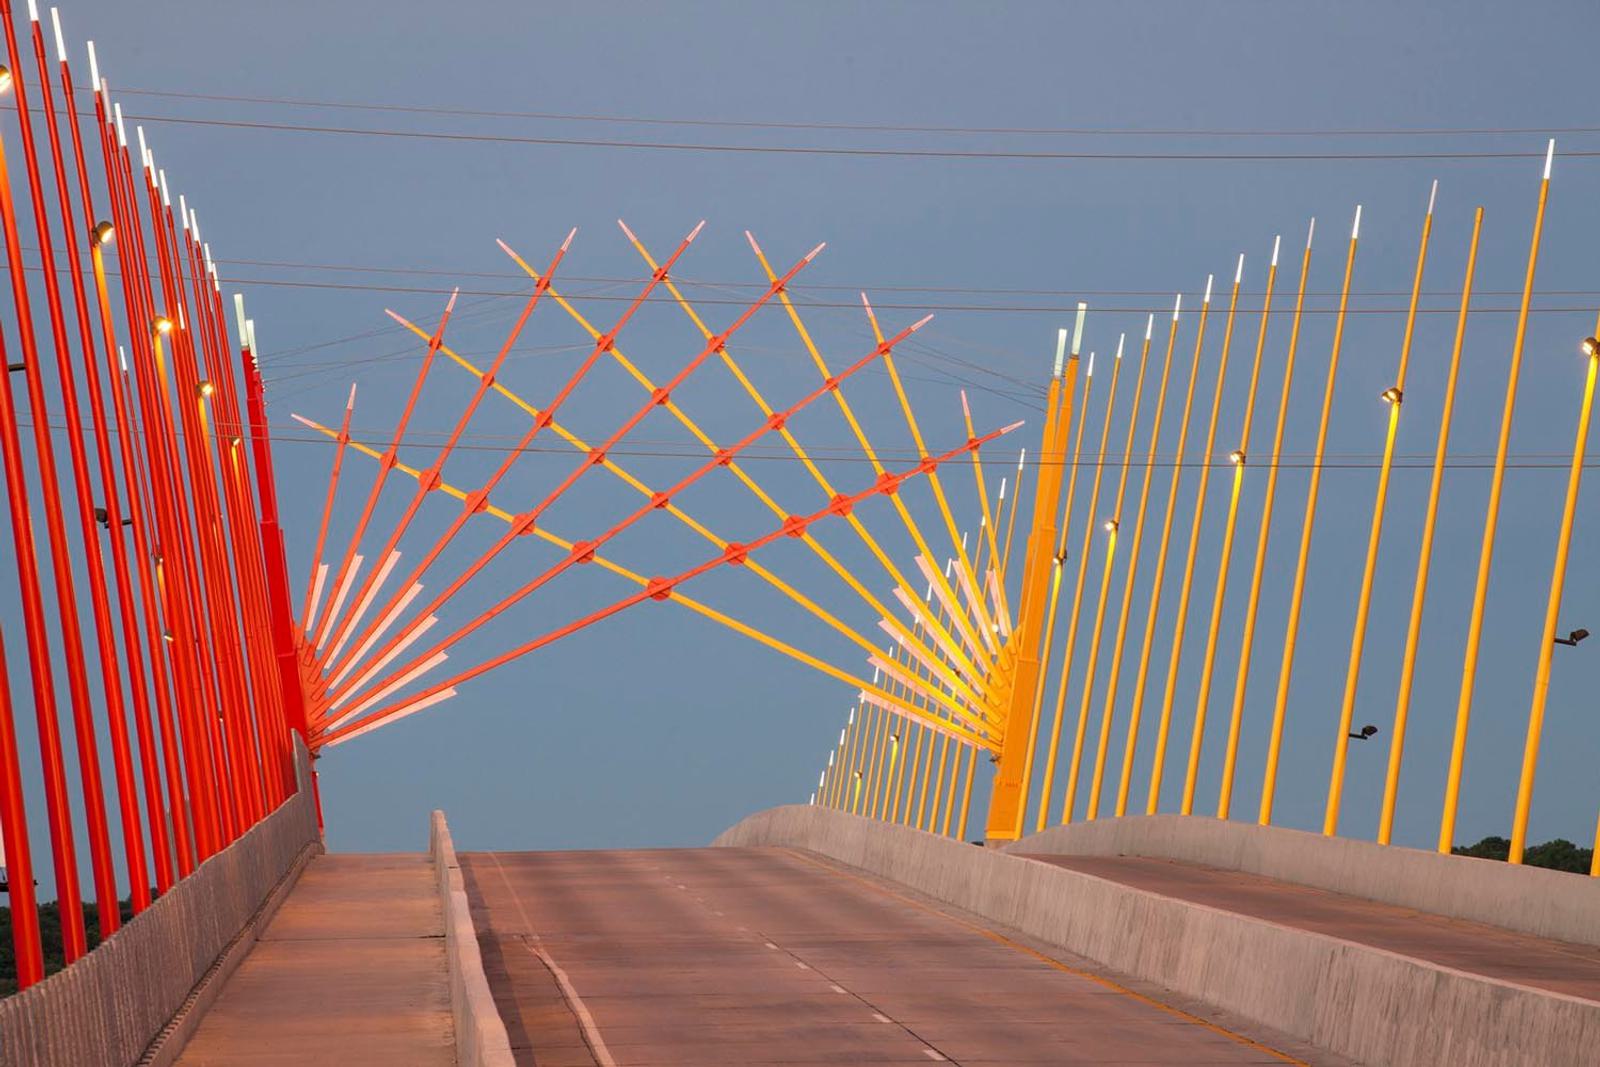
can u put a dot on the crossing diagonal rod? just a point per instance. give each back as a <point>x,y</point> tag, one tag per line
<point>663,588</point>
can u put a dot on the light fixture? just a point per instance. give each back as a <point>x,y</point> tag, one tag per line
<point>1366,732</point>
<point>1112,525</point>
<point>205,389</point>
<point>235,441</point>
<point>162,324</point>
<point>1236,457</point>
<point>166,635</point>
<point>1590,346</point>
<point>5,79</point>
<point>1392,395</point>
<point>103,233</point>
<point>1572,639</point>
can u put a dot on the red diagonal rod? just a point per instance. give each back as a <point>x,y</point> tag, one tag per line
<point>583,551</point>
<point>317,587</point>
<point>525,521</point>
<point>476,501</point>
<point>105,636</point>
<point>385,465</point>
<point>57,805</point>
<point>662,588</point>
<point>430,476</point>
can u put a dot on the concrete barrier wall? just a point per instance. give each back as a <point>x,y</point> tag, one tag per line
<point>1555,904</point>
<point>1359,1002</point>
<point>481,1039</point>
<point>109,1007</point>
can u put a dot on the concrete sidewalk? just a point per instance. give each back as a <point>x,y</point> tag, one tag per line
<point>351,971</point>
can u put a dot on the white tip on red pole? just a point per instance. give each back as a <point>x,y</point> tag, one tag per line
<point>350,405</point>
<point>61,44</point>
<point>920,323</point>
<point>696,231</point>
<point>450,306</point>
<point>570,235</point>
<point>33,10</point>
<point>166,201</point>
<point>815,252</point>
<point>250,331</point>
<point>183,211</point>
<point>144,149</point>
<point>238,314</point>
<point>94,68</point>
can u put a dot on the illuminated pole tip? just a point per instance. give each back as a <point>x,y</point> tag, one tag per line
<point>250,331</point>
<point>1022,457</point>
<point>756,248</point>
<point>1091,364</point>
<point>194,224</point>
<point>1311,231</point>
<point>238,314</point>
<point>5,79</point>
<point>350,405</point>
<point>1209,279</point>
<point>570,235</point>
<point>1077,328</point>
<point>920,323</point>
<point>94,68</point>
<point>966,409</point>
<point>1121,337</point>
<point>1238,271</point>
<point>809,256</point>
<point>1061,350</point>
<point>451,304</point>
<point>144,149</point>
<point>1355,227</point>
<point>33,10</point>
<point>161,175</point>
<point>1433,194</point>
<point>183,211</point>
<point>1177,306</point>
<point>1549,157</point>
<point>627,232</point>
<point>61,44</point>
<point>867,304</point>
<point>1002,488</point>
<point>122,131</point>
<point>1149,324</point>
<point>103,233</point>
<point>1276,241</point>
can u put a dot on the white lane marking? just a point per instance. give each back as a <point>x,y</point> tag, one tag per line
<point>802,966</point>
<point>882,1018</point>
<point>770,945</point>
<point>932,1055</point>
<point>836,988</point>
<point>591,1032</point>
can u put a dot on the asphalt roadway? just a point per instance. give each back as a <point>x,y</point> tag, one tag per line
<point>768,956</point>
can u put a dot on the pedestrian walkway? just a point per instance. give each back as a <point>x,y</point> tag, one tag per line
<point>351,971</point>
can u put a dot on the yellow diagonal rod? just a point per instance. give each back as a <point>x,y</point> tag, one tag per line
<point>835,771</point>
<point>1491,519</point>
<point>938,785</point>
<point>1291,629</point>
<point>858,740</point>
<point>1091,517</point>
<point>580,445</point>
<point>1552,616</point>
<point>1057,568</point>
<point>1395,396</point>
<point>647,384</point>
<point>1124,615</point>
<point>880,734</point>
<point>676,596</point>
<point>1011,519</point>
<point>1241,681</point>
<point>766,409</point>
<point>1153,611</point>
<point>966,791</point>
<point>1113,527</point>
<point>950,793</point>
<point>1225,558</point>
<point>1419,592</point>
<point>1180,622</point>
<point>988,516</point>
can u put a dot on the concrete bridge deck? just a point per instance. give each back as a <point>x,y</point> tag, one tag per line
<point>755,956</point>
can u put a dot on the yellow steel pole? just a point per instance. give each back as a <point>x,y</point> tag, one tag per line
<point>1142,678</point>
<point>1011,520</point>
<point>966,790</point>
<point>1558,577</point>
<point>848,764</point>
<point>1112,526</point>
<point>1419,592</point>
<point>1181,622</point>
<point>1395,397</point>
<point>1047,786</point>
<point>1239,458</point>
<point>1008,799</point>
<point>880,741</point>
<point>1241,681</point>
<point>938,783</point>
<point>950,792</point>
<point>1469,668</point>
<point>1292,628</point>
<point>1125,614</point>
<point>924,764</point>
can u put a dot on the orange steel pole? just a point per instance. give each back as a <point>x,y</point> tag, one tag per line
<point>84,733</point>
<point>1225,558</point>
<point>1153,612</point>
<point>1113,526</point>
<point>1291,632</point>
<point>1035,631</point>
<point>1552,613</point>
<point>316,585</point>
<point>1263,536</point>
<point>1125,612</point>
<point>1491,520</point>
<point>1395,397</point>
<point>1180,623</point>
<point>15,849</point>
<point>1052,752</point>
<point>1419,594</point>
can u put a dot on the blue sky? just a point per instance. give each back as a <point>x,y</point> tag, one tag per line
<point>657,728</point>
